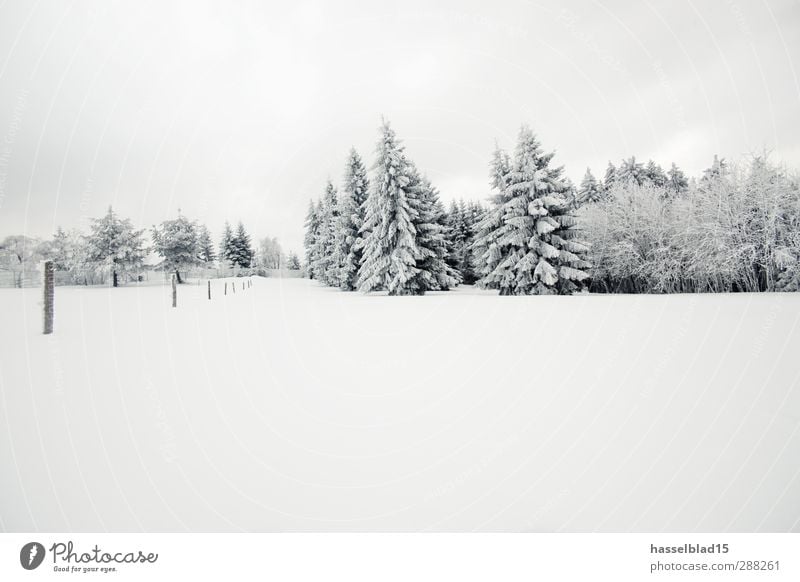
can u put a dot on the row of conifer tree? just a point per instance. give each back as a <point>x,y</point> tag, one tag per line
<point>390,232</point>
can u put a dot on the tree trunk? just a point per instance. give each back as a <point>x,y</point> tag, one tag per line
<point>178,277</point>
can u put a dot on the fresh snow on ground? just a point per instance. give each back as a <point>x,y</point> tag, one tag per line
<point>289,406</point>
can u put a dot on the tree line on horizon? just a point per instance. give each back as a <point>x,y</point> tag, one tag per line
<point>639,229</point>
<point>115,249</point>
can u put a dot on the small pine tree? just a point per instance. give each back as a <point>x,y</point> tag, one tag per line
<point>226,246</point>
<point>352,200</point>
<point>60,250</point>
<point>676,180</point>
<point>293,261</point>
<point>206,252</point>
<point>390,248</point>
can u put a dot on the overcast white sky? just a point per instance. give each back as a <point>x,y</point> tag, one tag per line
<point>241,110</point>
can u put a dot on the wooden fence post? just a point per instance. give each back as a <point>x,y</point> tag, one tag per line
<point>49,296</point>
<point>174,292</point>
<point>209,290</point>
<point>226,287</point>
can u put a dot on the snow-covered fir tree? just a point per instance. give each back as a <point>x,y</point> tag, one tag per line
<point>352,202</point>
<point>241,253</point>
<point>631,171</point>
<point>206,252</point>
<point>226,248</point>
<point>461,221</point>
<point>456,234</point>
<point>654,174</point>
<point>293,261</point>
<point>433,271</point>
<point>60,250</point>
<point>310,238</point>
<point>488,251</point>
<point>718,169</point>
<point>590,189</point>
<point>610,177</point>
<point>676,180</point>
<point>176,241</point>
<point>473,214</point>
<point>390,248</point>
<point>532,248</point>
<point>327,259</point>
<point>115,245</point>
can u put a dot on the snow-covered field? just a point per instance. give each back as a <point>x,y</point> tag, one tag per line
<point>292,407</point>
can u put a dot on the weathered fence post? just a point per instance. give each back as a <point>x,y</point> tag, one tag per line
<point>226,287</point>
<point>233,287</point>
<point>174,292</point>
<point>49,296</point>
<point>209,290</point>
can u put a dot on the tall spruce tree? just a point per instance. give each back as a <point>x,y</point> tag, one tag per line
<point>456,234</point>
<point>310,238</point>
<point>472,216</point>
<point>242,252</point>
<point>610,177</point>
<point>433,271</point>
<point>390,248</point>
<point>590,189</point>
<point>534,247</point>
<point>226,248</point>
<point>326,265</point>
<point>488,251</point>
<point>352,202</point>
<point>206,252</point>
